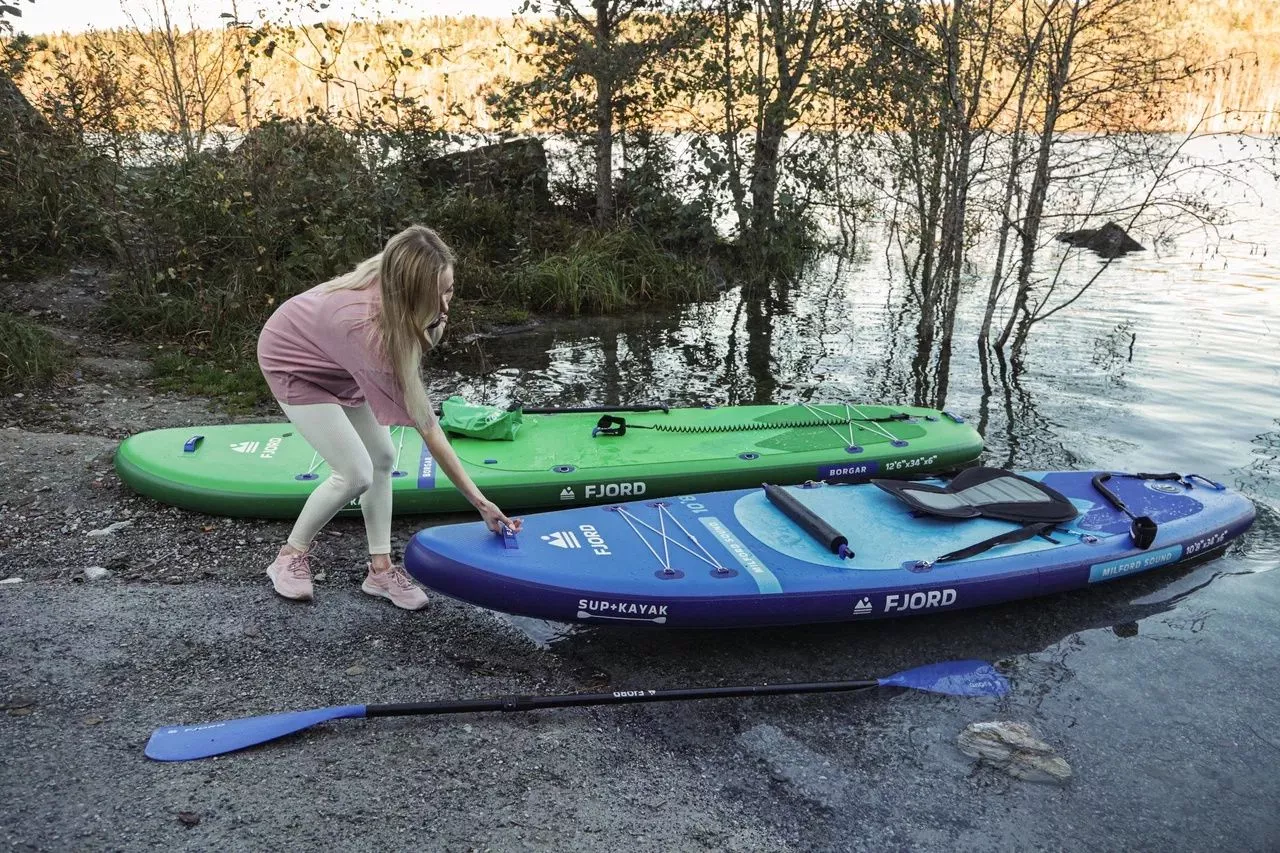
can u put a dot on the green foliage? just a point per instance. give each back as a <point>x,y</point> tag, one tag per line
<point>29,355</point>
<point>48,208</point>
<point>645,201</point>
<point>793,242</point>
<point>216,240</point>
<point>607,271</point>
<point>227,376</point>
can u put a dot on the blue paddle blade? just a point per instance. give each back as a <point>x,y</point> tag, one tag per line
<point>955,678</point>
<point>184,743</point>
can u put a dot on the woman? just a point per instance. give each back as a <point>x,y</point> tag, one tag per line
<point>343,360</point>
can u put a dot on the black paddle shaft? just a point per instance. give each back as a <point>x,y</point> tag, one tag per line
<point>618,697</point>
<point>812,523</point>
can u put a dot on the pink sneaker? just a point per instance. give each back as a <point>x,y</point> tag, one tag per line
<point>396,586</point>
<point>291,576</point>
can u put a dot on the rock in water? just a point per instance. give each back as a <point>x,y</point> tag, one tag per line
<point>1110,241</point>
<point>1014,748</point>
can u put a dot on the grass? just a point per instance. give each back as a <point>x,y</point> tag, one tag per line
<point>29,355</point>
<point>223,375</point>
<point>608,271</point>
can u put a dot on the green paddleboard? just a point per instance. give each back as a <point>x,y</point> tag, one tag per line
<point>559,457</point>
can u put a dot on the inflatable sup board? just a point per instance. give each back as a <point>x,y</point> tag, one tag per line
<point>559,457</point>
<point>828,552</point>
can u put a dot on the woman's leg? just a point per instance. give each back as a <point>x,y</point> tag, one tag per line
<point>327,428</point>
<point>375,504</point>
<point>385,579</point>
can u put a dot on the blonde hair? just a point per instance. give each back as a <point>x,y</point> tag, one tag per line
<point>409,272</point>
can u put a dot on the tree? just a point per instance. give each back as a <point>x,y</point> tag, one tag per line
<point>592,63</point>
<point>186,73</point>
<point>765,69</point>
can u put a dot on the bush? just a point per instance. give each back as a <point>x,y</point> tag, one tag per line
<point>29,355</point>
<point>608,271</point>
<point>50,205</point>
<point>217,240</point>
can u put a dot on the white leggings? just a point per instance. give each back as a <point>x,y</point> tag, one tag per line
<point>360,456</point>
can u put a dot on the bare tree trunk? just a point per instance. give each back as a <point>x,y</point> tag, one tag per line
<point>246,68</point>
<point>604,117</point>
<point>1007,221</point>
<point>736,189</point>
<point>179,101</point>
<point>1006,224</point>
<point>774,119</point>
<point>1029,234</point>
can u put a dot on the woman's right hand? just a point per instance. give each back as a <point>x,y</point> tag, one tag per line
<point>495,519</point>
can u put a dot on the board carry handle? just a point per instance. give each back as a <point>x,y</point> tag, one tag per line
<point>812,523</point>
<point>590,410</point>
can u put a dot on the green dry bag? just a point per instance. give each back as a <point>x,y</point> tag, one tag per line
<point>487,422</point>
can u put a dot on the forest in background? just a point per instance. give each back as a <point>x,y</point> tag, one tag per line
<point>463,61</point>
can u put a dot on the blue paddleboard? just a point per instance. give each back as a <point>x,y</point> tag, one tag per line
<point>733,558</point>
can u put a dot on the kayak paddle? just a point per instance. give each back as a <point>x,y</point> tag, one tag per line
<point>184,743</point>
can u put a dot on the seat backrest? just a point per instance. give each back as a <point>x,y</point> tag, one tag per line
<point>985,492</point>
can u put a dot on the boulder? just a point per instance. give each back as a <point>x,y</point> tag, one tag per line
<point>18,113</point>
<point>514,169</point>
<point>1110,241</point>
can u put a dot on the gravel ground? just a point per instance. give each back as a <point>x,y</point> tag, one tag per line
<point>1172,738</point>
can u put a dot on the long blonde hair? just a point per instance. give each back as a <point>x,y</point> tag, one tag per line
<point>409,271</point>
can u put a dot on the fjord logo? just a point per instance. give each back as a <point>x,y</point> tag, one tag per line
<point>571,539</point>
<point>614,490</point>
<point>563,539</point>
<point>920,600</point>
<point>566,494</point>
<point>863,606</point>
<point>245,447</point>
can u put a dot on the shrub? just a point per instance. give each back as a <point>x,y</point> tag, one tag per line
<point>216,240</point>
<point>607,271</point>
<point>28,354</point>
<point>49,207</point>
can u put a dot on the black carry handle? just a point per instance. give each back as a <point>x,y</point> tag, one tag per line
<point>591,410</point>
<point>1144,528</point>
<point>582,410</point>
<point>813,524</point>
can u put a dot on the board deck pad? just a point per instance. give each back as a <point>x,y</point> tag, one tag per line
<point>732,558</point>
<point>267,470</point>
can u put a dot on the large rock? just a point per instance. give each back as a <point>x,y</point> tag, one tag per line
<point>17,113</point>
<point>1110,240</point>
<point>1014,748</point>
<point>514,169</point>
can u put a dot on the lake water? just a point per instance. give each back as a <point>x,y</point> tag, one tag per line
<point>1161,689</point>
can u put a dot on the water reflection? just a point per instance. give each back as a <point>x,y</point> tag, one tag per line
<point>1170,362</point>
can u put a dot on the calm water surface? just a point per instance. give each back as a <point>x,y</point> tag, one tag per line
<point>1161,690</point>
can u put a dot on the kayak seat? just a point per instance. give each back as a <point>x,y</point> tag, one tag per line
<point>985,492</point>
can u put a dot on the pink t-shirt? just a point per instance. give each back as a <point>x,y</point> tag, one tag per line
<point>320,347</point>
